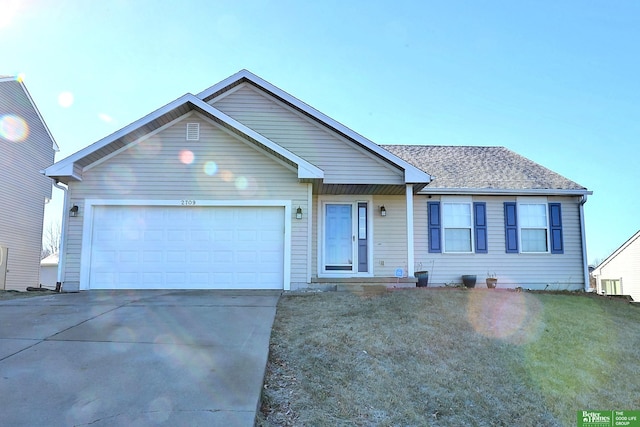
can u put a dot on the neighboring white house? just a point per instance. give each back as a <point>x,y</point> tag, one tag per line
<point>27,148</point>
<point>619,273</point>
<point>49,271</point>
<point>245,186</point>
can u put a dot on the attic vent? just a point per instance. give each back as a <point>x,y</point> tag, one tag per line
<point>193,131</point>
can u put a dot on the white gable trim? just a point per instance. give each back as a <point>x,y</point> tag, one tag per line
<point>359,148</point>
<point>276,159</point>
<point>598,270</point>
<point>136,142</point>
<point>305,169</point>
<point>411,173</point>
<point>65,167</point>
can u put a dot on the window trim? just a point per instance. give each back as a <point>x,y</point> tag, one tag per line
<point>458,200</point>
<point>533,201</point>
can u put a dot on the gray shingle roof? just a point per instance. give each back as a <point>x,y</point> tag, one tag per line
<point>491,168</point>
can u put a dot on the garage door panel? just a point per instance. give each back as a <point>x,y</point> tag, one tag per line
<point>157,247</point>
<point>197,257</point>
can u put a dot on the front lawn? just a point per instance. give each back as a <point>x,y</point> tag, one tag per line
<point>450,357</point>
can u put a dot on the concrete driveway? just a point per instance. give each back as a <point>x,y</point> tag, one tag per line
<point>134,358</point>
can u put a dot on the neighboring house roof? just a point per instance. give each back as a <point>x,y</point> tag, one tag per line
<point>465,169</point>
<point>50,261</point>
<point>616,253</point>
<point>9,104</point>
<point>71,168</point>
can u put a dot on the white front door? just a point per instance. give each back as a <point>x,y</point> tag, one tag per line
<point>345,241</point>
<point>338,237</point>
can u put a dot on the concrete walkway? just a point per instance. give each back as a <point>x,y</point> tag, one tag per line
<point>134,358</point>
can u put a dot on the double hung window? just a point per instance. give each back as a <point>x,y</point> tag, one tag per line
<point>457,224</point>
<point>533,226</point>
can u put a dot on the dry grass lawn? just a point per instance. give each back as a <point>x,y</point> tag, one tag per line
<point>449,357</point>
<point>5,295</point>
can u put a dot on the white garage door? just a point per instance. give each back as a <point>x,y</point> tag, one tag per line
<point>162,247</point>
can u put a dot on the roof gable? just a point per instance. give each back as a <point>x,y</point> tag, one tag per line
<point>71,167</point>
<point>411,173</point>
<point>633,239</point>
<point>342,161</point>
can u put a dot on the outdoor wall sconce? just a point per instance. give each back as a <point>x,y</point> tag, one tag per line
<point>383,211</point>
<point>73,211</point>
<point>299,213</point>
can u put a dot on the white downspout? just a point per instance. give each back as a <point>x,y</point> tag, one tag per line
<point>63,238</point>
<point>585,264</point>
<point>410,246</point>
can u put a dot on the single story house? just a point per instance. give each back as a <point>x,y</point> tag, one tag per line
<point>244,186</point>
<point>619,273</point>
<point>26,148</point>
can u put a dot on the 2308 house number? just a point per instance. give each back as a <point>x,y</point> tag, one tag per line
<point>187,202</point>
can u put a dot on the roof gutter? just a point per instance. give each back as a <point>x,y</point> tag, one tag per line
<point>504,192</point>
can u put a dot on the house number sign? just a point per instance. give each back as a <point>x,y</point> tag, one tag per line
<point>187,202</point>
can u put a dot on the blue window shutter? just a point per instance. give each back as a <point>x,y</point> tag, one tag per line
<point>480,225</point>
<point>433,210</point>
<point>555,222</point>
<point>510,227</point>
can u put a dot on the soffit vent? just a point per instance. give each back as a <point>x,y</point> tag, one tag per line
<point>193,131</point>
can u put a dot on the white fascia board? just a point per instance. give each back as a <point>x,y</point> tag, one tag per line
<point>65,166</point>
<point>305,169</point>
<point>62,170</point>
<point>411,173</point>
<point>503,192</point>
<point>615,253</point>
<point>69,161</point>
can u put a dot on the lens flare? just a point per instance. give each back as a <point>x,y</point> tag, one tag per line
<point>148,148</point>
<point>226,175</point>
<point>105,117</point>
<point>511,316</point>
<point>187,157</point>
<point>13,128</point>
<point>65,99</point>
<point>241,183</point>
<point>210,168</point>
<point>120,179</point>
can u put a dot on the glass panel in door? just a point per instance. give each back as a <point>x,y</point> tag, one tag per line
<point>338,237</point>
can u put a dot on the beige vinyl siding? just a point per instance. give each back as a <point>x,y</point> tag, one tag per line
<point>153,170</point>
<point>23,190</point>
<point>341,161</point>
<point>624,265</point>
<point>529,271</point>
<point>389,236</point>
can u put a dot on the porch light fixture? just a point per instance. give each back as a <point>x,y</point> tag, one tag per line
<point>299,213</point>
<point>73,211</point>
<point>383,211</point>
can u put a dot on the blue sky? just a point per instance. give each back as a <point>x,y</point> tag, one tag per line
<point>557,82</point>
